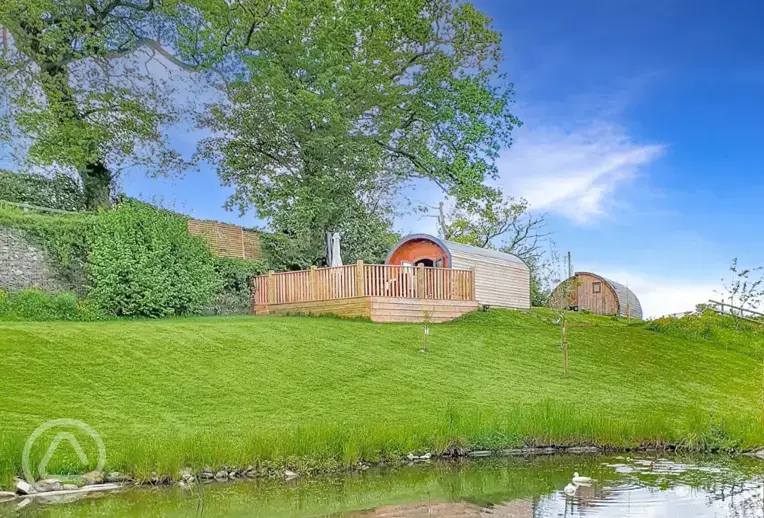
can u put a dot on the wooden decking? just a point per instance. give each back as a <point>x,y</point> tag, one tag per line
<point>378,309</point>
<point>383,293</point>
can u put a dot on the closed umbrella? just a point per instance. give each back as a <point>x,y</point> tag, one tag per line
<point>334,255</point>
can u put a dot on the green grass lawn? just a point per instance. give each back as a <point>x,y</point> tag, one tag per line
<point>235,390</point>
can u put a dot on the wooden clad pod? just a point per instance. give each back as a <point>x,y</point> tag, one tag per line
<point>591,292</point>
<point>500,279</point>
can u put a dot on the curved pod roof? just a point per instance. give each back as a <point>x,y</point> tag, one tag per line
<point>500,279</point>
<point>626,298</point>
<point>450,247</point>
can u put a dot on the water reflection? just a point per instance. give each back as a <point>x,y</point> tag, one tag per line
<point>663,487</point>
<point>636,501</point>
<point>514,509</point>
<point>499,488</point>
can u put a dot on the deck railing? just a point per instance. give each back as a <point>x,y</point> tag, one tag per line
<point>364,280</point>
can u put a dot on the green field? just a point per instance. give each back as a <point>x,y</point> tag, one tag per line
<point>324,391</point>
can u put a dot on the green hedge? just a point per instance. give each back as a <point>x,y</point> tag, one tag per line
<point>60,192</point>
<point>135,260</point>
<point>143,262</point>
<point>35,305</point>
<point>234,295</point>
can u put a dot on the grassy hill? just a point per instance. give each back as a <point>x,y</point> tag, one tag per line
<point>742,336</point>
<point>212,391</point>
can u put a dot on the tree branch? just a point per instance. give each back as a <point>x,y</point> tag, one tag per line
<point>157,47</point>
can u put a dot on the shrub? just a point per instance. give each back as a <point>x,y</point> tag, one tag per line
<point>36,305</point>
<point>60,192</point>
<point>235,288</point>
<point>143,262</point>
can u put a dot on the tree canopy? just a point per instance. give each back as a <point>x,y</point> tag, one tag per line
<point>337,103</point>
<point>67,95</point>
<point>331,106</point>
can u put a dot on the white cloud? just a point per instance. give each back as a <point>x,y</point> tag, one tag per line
<point>573,172</point>
<point>663,296</point>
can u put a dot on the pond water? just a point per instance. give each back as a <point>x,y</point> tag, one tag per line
<point>626,486</point>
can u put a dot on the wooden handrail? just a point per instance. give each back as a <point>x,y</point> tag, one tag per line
<point>728,305</point>
<point>712,303</point>
<point>359,280</point>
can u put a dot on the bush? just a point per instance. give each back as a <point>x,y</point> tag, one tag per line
<point>235,288</point>
<point>36,305</point>
<point>143,262</point>
<point>60,192</point>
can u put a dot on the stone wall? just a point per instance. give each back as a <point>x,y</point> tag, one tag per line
<point>26,265</point>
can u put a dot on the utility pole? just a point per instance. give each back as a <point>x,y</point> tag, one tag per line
<point>570,266</point>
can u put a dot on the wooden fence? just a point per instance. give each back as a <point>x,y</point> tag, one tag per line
<point>725,308</point>
<point>227,240</point>
<point>364,280</point>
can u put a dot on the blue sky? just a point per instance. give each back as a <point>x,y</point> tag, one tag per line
<point>642,139</point>
<point>642,136</point>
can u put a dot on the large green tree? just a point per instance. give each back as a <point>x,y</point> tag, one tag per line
<point>81,88</point>
<point>335,103</point>
<point>332,202</point>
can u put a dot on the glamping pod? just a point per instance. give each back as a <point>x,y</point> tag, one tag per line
<point>501,280</point>
<point>592,292</point>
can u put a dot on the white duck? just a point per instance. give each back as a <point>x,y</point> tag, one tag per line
<point>582,481</point>
<point>570,489</point>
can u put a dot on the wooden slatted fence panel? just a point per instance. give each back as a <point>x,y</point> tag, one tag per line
<point>261,290</point>
<point>227,240</point>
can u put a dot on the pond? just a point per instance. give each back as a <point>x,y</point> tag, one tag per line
<point>627,485</point>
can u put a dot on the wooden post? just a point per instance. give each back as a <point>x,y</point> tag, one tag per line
<point>271,289</point>
<point>474,293</point>
<point>359,277</point>
<point>243,250</point>
<point>313,283</point>
<point>420,285</point>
